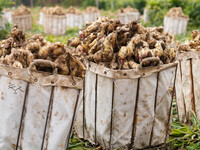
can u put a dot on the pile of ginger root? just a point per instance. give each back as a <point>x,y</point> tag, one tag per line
<point>192,45</point>
<point>57,10</point>
<point>114,45</point>
<point>23,10</point>
<point>176,12</point>
<point>91,9</point>
<point>127,10</point>
<point>17,51</point>
<point>73,10</point>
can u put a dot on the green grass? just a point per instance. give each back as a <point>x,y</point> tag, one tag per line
<point>111,14</point>
<point>77,144</point>
<point>70,32</point>
<point>185,136</point>
<point>182,37</point>
<point>4,31</point>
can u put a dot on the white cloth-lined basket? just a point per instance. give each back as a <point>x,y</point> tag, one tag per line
<point>128,17</point>
<point>3,22</point>
<point>75,20</point>
<point>55,24</point>
<point>188,85</point>
<point>41,19</point>
<point>37,109</point>
<point>24,22</point>
<point>126,109</point>
<point>146,16</point>
<point>89,17</point>
<point>175,25</point>
<point>8,15</point>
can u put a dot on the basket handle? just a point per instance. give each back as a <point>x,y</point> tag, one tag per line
<point>43,62</point>
<point>150,59</point>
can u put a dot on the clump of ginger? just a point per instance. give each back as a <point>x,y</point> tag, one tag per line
<point>127,10</point>
<point>57,10</point>
<point>23,10</point>
<point>176,12</point>
<point>14,40</point>
<point>112,44</point>
<point>91,9</point>
<point>73,10</point>
<point>192,45</point>
<point>19,52</point>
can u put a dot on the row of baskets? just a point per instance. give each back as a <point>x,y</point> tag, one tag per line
<point>116,109</point>
<point>54,24</point>
<point>72,20</point>
<point>57,24</point>
<point>171,25</point>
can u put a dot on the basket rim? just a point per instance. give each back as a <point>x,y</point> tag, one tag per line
<point>131,12</point>
<point>127,74</point>
<point>177,18</point>
<point>22,16</point>
<point>188,55</point>
<point>41,78</point>
<point>50,15</point>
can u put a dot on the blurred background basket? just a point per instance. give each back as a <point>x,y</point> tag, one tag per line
<point>55,24</point>
<point>24,22</point>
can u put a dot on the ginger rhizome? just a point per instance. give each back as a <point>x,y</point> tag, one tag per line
<point>112,44</point>
<point>17,51</point>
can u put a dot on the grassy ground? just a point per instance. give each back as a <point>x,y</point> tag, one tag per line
<point>182,136</point>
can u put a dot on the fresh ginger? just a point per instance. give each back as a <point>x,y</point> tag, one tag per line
<point>132,64</point>
<point>107,49</point>
<point>62,63</point>
<point>85,43</point>
<point>19,52</point>
<point>76,67</point>
<point>112,44</point>
<point>74,42</point>
<point>127,51</point>
<point>125,65</point>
